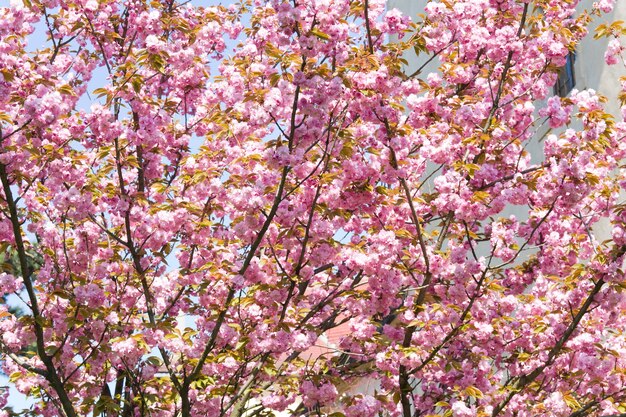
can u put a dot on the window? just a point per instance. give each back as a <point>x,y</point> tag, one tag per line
<point>566,79</point>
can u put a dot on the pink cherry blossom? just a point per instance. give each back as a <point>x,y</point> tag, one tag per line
<point>311,207</point>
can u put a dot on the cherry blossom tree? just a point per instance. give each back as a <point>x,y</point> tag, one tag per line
<point>193,198</point>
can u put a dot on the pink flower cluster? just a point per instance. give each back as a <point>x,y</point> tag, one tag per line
<point>228,210</point>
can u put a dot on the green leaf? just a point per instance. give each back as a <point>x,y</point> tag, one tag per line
<point>474,392</point>
<point>101,92</point>
<point>67,90</point>
<point>571,402</point>
<point>154,361</point>
<point>8,75</point>
<point>320,34</point>
<point>136,83</point>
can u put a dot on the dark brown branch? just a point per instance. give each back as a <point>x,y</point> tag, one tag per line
<point>51,373</point>
<point>370,44</point>
<point>507,67</point>
<point>524,380</point>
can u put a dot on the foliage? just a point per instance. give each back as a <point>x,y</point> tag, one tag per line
<point>244,180</point>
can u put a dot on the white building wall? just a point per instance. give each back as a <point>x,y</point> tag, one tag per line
<point>591,70</point>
